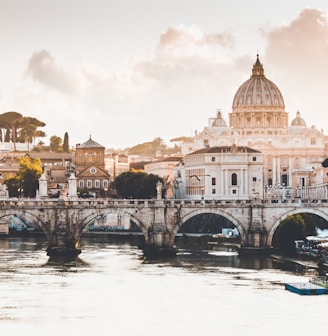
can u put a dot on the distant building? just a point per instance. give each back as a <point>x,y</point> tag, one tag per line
<point>292,154</point>
<point>116,164</point>
<point>223,172</point>
<point>90,167</point>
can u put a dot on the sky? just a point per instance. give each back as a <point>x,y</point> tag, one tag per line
<point>128,71</point>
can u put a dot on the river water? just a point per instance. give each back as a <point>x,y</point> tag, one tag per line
<point>112,289</point>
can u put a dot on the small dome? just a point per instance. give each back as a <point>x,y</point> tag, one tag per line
<point>258,91</point>
<point>298,121</point>
<point>219,121</point>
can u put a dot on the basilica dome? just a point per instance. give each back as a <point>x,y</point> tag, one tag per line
<point>298,121</point>
<point>258,105</point>
<point>219,121</point>
<point>258,92</point>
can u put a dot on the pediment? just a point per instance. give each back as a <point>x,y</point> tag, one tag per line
<point>93,171</point>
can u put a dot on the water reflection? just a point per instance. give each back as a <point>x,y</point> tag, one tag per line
<point>111,286</point>
<point>191,253</point>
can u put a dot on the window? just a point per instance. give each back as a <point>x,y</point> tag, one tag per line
<point>213,181</point>
<point>89,184</point>
<point>213,191</point>
<point>284,179</point>
<point>254,158</point>
<point>81,184</point>
<point>213,158</point>
<point>234,179</point>
<point>105,184</point>
<point>234,191</point>
<point>97,184</point>
<point>254,179</point>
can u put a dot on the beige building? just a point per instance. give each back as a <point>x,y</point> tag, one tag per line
<point>116,164</point>
<point>292,153</point>
<point>90,167</point>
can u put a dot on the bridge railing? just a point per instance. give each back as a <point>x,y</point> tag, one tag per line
<point>137,203</point>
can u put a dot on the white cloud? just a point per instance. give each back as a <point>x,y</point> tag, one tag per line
<point>297,56</point>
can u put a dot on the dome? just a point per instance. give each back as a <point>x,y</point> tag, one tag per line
<point>298,121</point>
<point>219,121</point>
<point>258,91</point>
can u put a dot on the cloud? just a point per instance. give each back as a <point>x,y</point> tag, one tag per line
<point>191,41</point>
<point>302,44</point>
<point>42,68</point>
<point>296,55</point>
<point>186,52</point>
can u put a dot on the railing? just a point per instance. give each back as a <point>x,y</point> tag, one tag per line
<point>129,203</point>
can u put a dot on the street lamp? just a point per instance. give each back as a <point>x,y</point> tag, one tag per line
<point>199,179</point>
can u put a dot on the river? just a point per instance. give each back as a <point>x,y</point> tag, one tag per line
<point>112,289</point>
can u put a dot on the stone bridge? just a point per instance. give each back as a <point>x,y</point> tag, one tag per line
<point>159,220</point>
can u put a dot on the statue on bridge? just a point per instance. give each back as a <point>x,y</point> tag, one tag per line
<point>159,187</point>
<point>3,191</point>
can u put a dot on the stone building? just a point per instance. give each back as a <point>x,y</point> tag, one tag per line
<point>223,172</point>
<point>90,169</point>
<point>292,153</point>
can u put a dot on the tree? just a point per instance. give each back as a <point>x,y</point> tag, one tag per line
<point>136,185</point>
<point>20,128</point>
<point>13,184</point>
<point>56,143</point>
<point>66,143</point>
<point>26,181</point>
<point>29,130</point>
<point>11,121</point>
<point>29,172</point>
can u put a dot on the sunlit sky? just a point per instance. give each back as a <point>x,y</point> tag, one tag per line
<point>128,71</point>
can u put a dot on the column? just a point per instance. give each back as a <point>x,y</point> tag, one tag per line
<point>43,186</point>
<point>72,186</point>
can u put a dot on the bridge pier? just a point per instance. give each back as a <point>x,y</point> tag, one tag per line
<point>63,244</point>
<point>159,244</point>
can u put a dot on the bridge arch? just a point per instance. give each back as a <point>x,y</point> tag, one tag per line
<point>22,214</point>
<point>90,218</point>
<point>218,212</point>
<point>290,213</point>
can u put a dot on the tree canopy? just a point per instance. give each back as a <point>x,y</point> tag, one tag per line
<point>66,143</point>
<point>19,128</point>
<point>136,185</point>
<point>56,144</point>
<point>26,182</point>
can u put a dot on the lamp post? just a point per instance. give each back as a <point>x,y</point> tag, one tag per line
<point>199,179</point>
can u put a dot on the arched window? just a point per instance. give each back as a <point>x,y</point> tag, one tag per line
<point>233,179</point>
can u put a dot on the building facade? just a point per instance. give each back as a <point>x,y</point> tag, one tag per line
<point>292,153</point>
<point>90,169</point>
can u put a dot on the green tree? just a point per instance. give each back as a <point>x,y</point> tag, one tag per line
<point>13,184</point>
<point>20,128</point>
<point>136,185</point>
<point>11,122</point>
<point>66,143</point>
<point>29,130</point>
<point>56,144</point>
<point>26,181</point>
